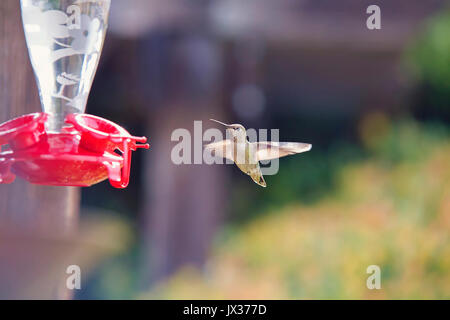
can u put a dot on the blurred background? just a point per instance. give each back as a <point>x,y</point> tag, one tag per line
<point>374,189</point>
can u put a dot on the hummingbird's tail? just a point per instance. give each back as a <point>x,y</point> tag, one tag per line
<point>259,179</point>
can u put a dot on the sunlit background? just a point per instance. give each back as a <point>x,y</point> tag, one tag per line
<point>374,189</point>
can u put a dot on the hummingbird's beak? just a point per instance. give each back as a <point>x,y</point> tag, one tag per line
<point>224,124</point>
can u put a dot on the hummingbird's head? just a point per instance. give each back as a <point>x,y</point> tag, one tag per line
<point>235,131</point>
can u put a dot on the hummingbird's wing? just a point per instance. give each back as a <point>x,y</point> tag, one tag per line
<point>223,149</point>
<point>267,150</point>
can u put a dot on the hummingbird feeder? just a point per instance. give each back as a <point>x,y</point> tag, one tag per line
<point>63,146</point>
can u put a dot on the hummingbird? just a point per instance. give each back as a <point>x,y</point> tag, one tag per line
<point>246,155</point>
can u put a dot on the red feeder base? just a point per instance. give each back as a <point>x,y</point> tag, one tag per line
<point>89,150</point>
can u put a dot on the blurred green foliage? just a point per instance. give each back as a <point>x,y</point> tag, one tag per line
<point>304,178</point>
<point>429,58</point>
<point>390,208</point>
